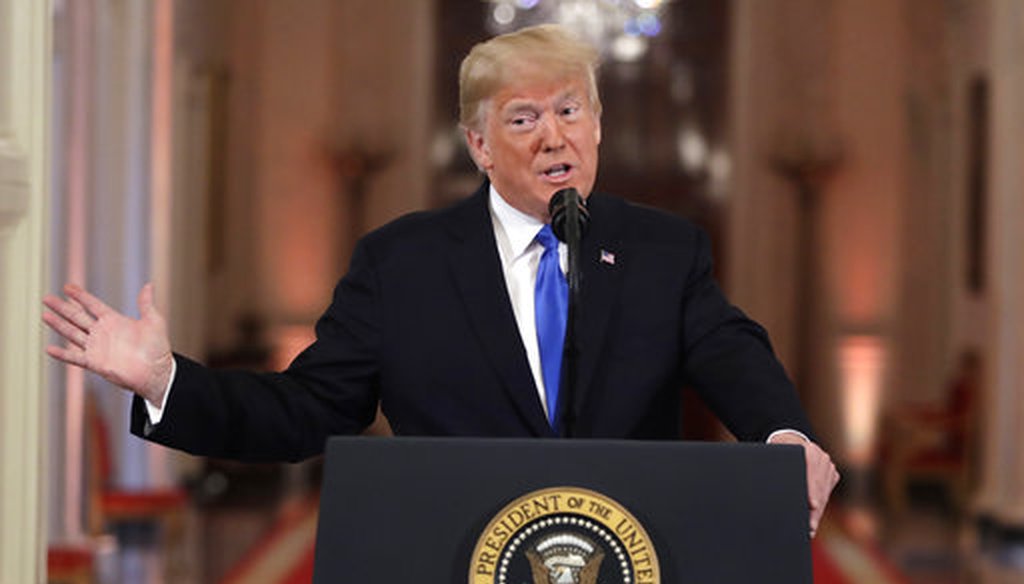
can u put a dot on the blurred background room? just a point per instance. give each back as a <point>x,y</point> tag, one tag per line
<point>857,163</point>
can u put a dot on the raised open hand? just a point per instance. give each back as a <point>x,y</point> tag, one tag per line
<point>134,354</point>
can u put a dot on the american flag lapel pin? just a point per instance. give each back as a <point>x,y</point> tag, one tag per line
<point>607,257</point>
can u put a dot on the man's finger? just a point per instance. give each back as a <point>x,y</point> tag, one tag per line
<point>69,356</point>
<point>816,519</point>
<point>69,311</point>
<point>94,305</point>
<point>147,306</point>
<point>61,326</point>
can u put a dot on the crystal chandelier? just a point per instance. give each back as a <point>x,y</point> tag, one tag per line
<point>621,29</point>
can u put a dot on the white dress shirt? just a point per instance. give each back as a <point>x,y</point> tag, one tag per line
<point>520,255</point>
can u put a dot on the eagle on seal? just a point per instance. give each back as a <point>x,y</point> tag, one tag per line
<point>565,559</point>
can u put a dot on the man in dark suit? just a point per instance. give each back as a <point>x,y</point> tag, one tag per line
<point>442,319</point>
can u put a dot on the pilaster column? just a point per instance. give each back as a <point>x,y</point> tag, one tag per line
<point>25,69</point>
<point>1002,494</point>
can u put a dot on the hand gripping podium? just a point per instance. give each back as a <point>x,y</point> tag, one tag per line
<point>519,511</point>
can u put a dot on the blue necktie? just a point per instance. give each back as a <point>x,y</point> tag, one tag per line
<point>551,309</point>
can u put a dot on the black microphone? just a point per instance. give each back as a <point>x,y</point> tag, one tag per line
<point>565,206</point>
<point>569,221</point>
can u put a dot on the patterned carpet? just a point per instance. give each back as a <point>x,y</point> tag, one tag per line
<point>285,554</point>
<point>841,558</point>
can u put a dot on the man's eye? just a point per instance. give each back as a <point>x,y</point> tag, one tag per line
<point>521,121</point>
<point>570,110</point>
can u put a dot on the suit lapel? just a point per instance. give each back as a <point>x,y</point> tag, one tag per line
<point>476,269</point>
<point>599,288</point>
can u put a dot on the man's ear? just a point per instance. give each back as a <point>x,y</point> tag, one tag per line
<point>478,149</point>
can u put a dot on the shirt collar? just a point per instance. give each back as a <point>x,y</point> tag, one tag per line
<point>519,228</point>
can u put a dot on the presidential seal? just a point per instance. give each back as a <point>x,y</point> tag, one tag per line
<point>564,535</point>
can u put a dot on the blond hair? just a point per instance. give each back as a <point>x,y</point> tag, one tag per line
<point>548,48</point>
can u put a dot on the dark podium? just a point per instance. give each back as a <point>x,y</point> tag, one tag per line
<point>447,510</point>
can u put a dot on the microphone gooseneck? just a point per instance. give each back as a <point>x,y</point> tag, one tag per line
<point>569,221</point>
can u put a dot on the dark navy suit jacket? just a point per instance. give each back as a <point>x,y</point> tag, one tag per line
<point>422,322</point>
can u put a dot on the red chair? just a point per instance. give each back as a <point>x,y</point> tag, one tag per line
<point>109,505</point>
<point>934,444</point>
<point>69,564</point>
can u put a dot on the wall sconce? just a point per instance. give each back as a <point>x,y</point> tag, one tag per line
<point>288,341</point>
<point>862,361</point>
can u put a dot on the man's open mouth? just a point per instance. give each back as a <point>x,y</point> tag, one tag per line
<point>557,170</point>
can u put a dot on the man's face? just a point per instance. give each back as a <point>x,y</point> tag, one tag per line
<point>537,137</point>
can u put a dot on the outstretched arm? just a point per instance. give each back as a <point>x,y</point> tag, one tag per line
<point>134,354</point>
